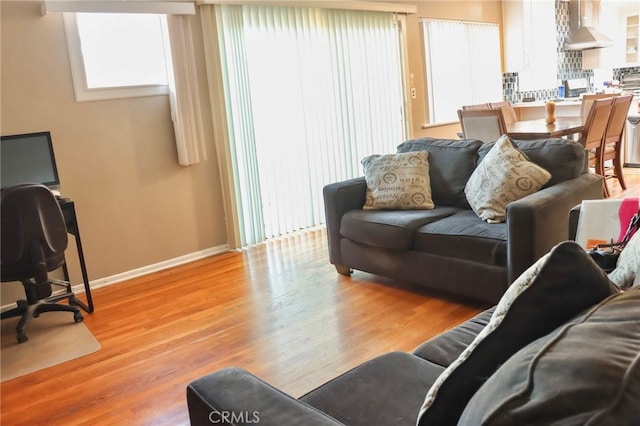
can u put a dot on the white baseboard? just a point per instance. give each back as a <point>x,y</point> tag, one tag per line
<point>117,278</point>
<point>138,272</point>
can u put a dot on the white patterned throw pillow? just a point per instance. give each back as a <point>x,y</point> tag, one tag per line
<point>505,175</point>
<point>628,265</point>
<point>557,287</point>
<point>398,181</point>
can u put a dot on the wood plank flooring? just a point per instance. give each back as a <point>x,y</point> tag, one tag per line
<point>632,180</point>
<point>278,309</point>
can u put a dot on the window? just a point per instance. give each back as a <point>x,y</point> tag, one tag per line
<point>115,55</point>
<point>308,93</point>
<point>463,66</point>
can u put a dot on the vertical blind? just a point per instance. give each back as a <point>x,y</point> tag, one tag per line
<point>463,66</point>
<point>308,93</point>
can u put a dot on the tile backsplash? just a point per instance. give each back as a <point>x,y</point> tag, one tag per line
<point>569,64</point>
<point>617,72</point>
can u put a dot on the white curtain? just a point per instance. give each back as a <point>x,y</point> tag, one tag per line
<point>463,66</point>
<point>308,93</point>
<point>184,91</point>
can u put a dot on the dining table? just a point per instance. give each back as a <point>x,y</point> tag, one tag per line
<point>539,129</point>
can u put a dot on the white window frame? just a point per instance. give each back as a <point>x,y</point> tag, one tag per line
<point>474,92</point>
<point>78,72</point>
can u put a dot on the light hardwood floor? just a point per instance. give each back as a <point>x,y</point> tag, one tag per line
<point>278,309</point>
<point>632,180</point>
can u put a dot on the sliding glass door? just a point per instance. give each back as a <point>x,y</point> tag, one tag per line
<point>308,93</point>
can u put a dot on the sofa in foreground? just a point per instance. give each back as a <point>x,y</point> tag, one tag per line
<point>450,248</point>
<point>561,347</point>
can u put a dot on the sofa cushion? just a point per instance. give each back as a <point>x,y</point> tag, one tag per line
<point>386,390</point>
<point>444,348</point>
<point>397,181</point>
<point>464,235</point>
<point>392,229</point>
<point>557,287</point>
<point>451,162</point>
<point>564,159</point>
<point>586,372</point>
<point>505,175</point>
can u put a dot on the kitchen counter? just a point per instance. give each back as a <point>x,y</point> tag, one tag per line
<point>568,107</point>
<point>559,103</point>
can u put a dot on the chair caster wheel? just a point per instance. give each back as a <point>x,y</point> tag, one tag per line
<point>22,337</point>
<point>78,317</point>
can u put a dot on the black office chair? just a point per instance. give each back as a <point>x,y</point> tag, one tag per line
<point>34,238</point>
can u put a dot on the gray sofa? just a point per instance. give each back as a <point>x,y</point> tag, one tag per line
<point>450,248</point>
<point>563,350</point>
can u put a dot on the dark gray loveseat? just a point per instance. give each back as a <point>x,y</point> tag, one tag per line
<point>562,348</point>
<point>450,248</point>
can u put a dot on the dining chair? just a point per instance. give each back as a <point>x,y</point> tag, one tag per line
<point>588,99</point>
<point>472,107</point>
<point>476,106</point>
<point>508,112</point>
<point>486,125</point>
<point>610,149</point>
<point>594,129</point>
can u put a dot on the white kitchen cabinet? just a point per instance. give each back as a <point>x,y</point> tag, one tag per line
<point>618,20</point>
<point>513,35</point>
<point>529,40</point>
<point>632,39</point>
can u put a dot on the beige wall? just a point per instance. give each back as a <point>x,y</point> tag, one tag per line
<point>117,158</point>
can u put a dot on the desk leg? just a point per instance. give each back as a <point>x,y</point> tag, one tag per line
<point>71,221</point>
<point>87,290</point>
<point>85,278</point>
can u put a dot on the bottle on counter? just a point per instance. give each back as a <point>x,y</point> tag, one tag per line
<point>550,110</point>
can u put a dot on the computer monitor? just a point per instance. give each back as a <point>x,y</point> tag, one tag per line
<point>28,158</point>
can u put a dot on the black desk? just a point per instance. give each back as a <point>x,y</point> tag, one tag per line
<point>69,212</point>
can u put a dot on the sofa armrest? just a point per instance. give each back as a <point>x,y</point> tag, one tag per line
<point>536,223</point>
<point>234,396</point>
<point>574,217</point>
<point>339,198</point>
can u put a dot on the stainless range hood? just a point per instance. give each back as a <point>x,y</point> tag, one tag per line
<point>583,37</point>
